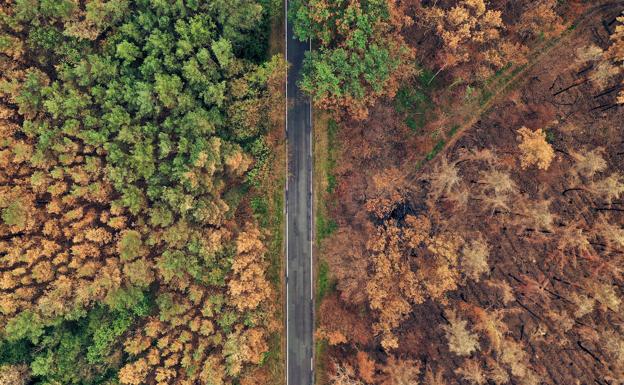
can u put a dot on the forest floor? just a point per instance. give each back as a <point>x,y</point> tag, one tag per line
<point>508,79</point>
<point>439,130</point>
<point>536,277</point>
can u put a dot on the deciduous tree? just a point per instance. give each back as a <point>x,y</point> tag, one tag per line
<point>471,33</point>
<point>360,56</point>
<point>535,150</point>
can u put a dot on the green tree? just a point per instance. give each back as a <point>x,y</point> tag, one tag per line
<point>360,57</point>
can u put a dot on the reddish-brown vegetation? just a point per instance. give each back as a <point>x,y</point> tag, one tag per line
<point>498,262</point>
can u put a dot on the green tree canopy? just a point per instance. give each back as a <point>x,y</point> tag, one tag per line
<point>360,55</point>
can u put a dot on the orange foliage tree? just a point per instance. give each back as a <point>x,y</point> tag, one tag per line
<point>472,34</point>
<point>409,266</point>
<point>535,150</point>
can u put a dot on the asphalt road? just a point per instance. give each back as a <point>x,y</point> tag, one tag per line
<point>299,265</point>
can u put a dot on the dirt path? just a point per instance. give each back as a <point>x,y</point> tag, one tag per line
<point>537,55</point>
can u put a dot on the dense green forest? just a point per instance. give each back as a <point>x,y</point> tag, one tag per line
<point>131,132</point>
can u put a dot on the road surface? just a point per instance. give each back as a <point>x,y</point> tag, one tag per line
<point>299,265</point>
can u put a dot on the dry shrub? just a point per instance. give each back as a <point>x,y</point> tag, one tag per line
<point>434,378</point>
<point>460,340</point>
<point>475,258</point>
<point>490,323</point>
<point>344,375</point>
<point>366,367</point>
<point>609,188</point>
<point>589,163</point>
<point>507,294</point>
<point>583,304</point>
<point>536,215</point>
<point>588,53</point>
<point>496,373</point>
<point>443,178</point>
<point>472,372</point>
<point>401,371</point>
<point>499,182</point>
<point>603,73</point>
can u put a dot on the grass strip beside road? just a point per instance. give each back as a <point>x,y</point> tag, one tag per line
<point>325,155</point>
<point>268,207</point>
